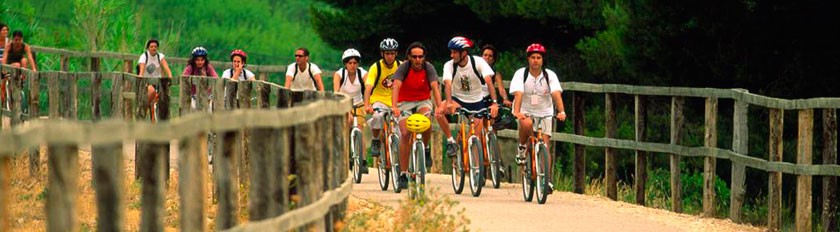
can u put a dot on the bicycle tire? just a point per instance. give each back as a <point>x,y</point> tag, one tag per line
<point>527,181</point>
<point>476,164</point>
<point>419,166</point>
<point>542,172</point>
<point>356,136</point>
<point>394,146</point>
<point>384,172</point>
<point>458,170</point>
<point>495,159</point>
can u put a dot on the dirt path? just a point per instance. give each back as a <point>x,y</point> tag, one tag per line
<point>503,209</point>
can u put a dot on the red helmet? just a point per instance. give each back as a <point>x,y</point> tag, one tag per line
<point>535,47</point>
<point>240,53</point>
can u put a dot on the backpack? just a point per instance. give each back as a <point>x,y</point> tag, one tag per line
<point>475,70</point>
<point>545,74</point>
<point>145,61</point>
<point>312,77</point>
<point>358,75</point>
<point>379,73</point>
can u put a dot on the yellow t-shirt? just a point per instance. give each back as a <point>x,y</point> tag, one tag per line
<point>382,90</point>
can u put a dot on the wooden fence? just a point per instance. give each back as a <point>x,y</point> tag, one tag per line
<point>264,133</point>
<point>739,156</point>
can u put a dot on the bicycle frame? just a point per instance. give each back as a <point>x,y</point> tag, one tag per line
<point>535,140</point>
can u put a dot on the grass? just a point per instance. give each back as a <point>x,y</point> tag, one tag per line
<point>430,212</point>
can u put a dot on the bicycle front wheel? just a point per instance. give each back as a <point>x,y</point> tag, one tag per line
<point>394,147</point>
<point>458,170</point>
<point>542,166</point>
<point>494,152</point>
<point>419,168</point>
<point>527,181</point>
<point>475,158</point>
<point>356,154</point>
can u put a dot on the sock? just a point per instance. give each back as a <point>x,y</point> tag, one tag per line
<point>521,146</point>
<point>451,140</point>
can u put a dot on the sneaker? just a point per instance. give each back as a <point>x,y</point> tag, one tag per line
<point>502,173</point>
<point>403,182</point>
<point>550,188</point>
<point>428,158</point>
<point>375,147</point>
<point>520,155</point>
<point>451,149</point>
<point>364,167</point>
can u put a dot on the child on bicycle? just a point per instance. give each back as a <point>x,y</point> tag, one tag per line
<point>537,92</point>
<point>414,83</point>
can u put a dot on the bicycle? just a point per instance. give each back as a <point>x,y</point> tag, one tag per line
<point>492,154</point>
<point>388,168</point>
<point>417,124</point>
<point>356,153</point>
<point>471,147</point>
<point>535,168</point>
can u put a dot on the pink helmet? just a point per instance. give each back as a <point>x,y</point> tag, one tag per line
<point>240,53</point>
<point>535,47</point>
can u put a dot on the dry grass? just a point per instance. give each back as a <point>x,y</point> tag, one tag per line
<point>433,212</point>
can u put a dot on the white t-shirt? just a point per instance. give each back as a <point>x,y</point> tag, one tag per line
<point>153,67</point>
<point>245,75</point>
<point>465,85</point>
<point>536,98</point>
<point>352,85</point>
<point>302,81</point>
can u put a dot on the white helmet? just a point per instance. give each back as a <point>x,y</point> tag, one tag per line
<point>350,53</point>
<point>389,44</point>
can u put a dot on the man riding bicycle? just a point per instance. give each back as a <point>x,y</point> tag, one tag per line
<point>378,89</point>
<point>464,78</point>
<point>413,84</point>
<point>536,92</point>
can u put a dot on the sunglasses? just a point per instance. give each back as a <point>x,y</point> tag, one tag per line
<point>417,56</point>
<point>298,56</point>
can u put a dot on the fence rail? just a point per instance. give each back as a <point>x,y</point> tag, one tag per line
<point>263,134</point>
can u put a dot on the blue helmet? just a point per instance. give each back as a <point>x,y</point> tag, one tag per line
<point>199,51</point>
<point>459,43</point>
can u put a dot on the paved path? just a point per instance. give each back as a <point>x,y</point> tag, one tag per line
<point>504,209</point>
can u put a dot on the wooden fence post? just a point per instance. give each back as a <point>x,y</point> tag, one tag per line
<point>192,174</point>
<point>153,179</point>
<point>677,122</point>
<point>94,64</point>
<point>95,96</point>
<point>116,96</point>
<point>309,176</point>
<point>127,66</point>
<point>774,195</point>
<point>34,95</point>
<point>69,97</point>
<point>610,159</point>
<point>641,156</point>
<point>63,179</point>
<point>227,182</point>
<point>328,161</point>
<point>184,105</point>
<point>258,196</point>
<point>5,178</point>
<point>279,183</point>
<point>829,154</point>
<point>710,166</point>
<point>64,62</point>
<point>243,96</point>
<point>580,150</point>
<point>14,98</point>
<point>108,181</point>
<point>740,139</point>
<point>53,85</point>
<point>163,114</point>
<point>804,155</point>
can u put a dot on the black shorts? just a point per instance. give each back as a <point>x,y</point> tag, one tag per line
<point>475,106</point>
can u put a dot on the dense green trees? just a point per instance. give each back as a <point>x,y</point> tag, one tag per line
<point>777,48</point>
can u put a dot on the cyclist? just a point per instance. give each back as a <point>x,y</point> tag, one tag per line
<point>489,53</point>
<point>349,80</point>
<point>17,53</point>
<point>4,37</point>
<point>469,73</point>
<point>536,92</point>
<point>302,75</point>
<point>238,72</point>
<point>198,65</point>
<point>150,64</point>
<point>413,82</point>
<point>378,89</point>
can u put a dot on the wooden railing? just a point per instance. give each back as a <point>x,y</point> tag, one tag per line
<point>739,155</point>
<point>264,133</point>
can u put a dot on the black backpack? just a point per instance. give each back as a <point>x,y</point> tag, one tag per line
<point>358,75</point>
<point>312,77</point>
<point>145,61</point>
<point>379,73</point>
<point>475,70</point>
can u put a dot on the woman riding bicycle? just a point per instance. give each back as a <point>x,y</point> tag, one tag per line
<point>350,80</point>
<point>536,92</point>
<point>199,65</point>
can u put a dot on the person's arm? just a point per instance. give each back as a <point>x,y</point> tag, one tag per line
<point>501,86</point>
<point>142,67</point>
<point>395,94</point>
<point>318,82</point>
<point>166,67</point>
<point>211,71</point>
<point>494,108</point>
<point>31,60</point>
<point>336,82</point>
<point>517,105</point>
<point>436,92</point>
<point>237,71</point>
<point>558,103</point>
<point>187,70</point>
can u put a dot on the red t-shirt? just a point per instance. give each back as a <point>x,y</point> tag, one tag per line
<point>415,86</point>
